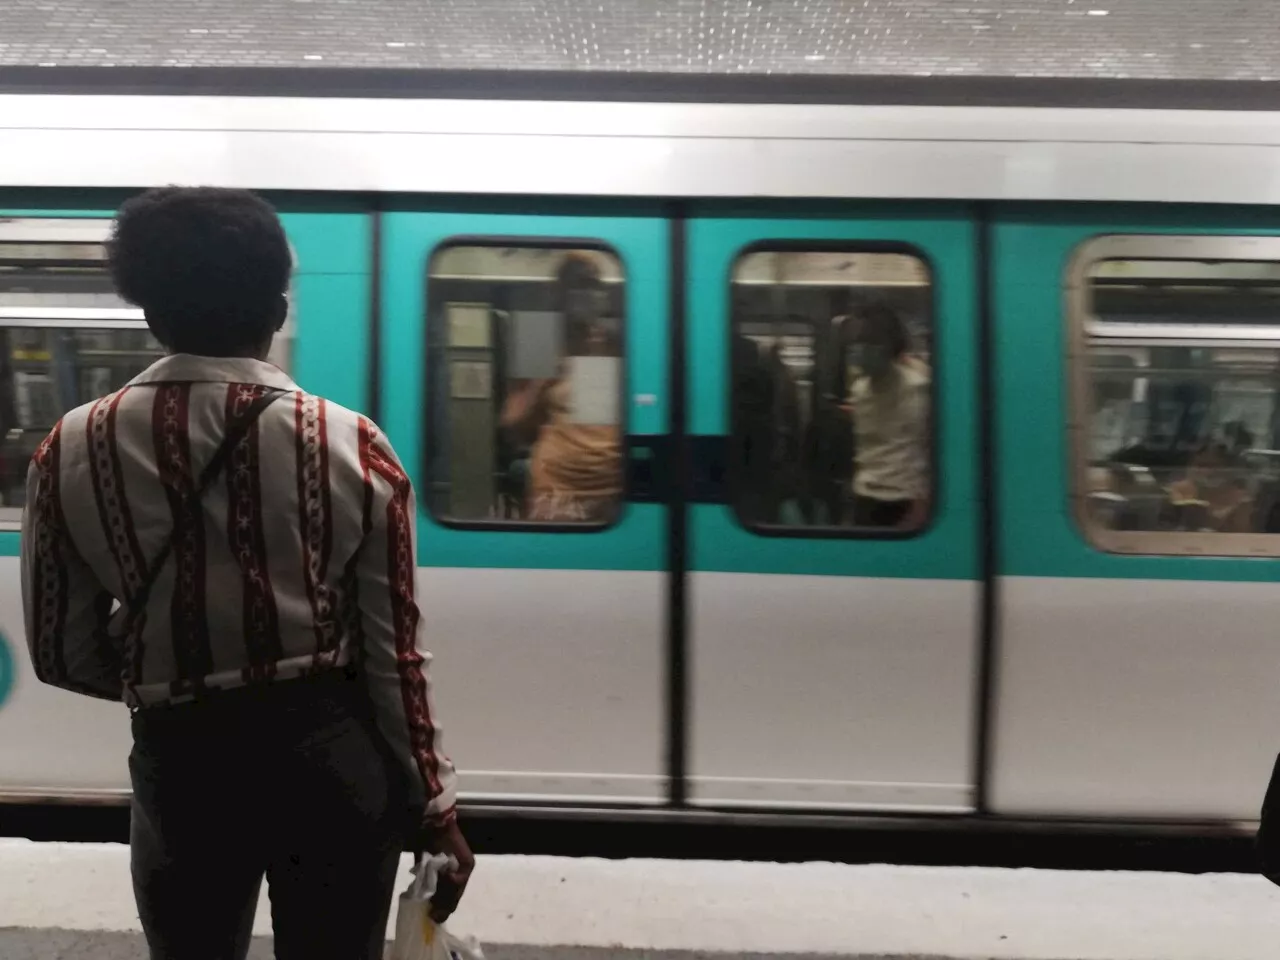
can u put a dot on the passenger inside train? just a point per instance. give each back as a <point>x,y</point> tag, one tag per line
<point>526,359</point>
<point>574,455</point>
<point>831,391</point>
<point>1214,494</point>
<point>766,438</point>
<point>889,403</point>
<point>1182,417</point>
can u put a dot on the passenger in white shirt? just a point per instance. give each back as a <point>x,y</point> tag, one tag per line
<point>889,400</point>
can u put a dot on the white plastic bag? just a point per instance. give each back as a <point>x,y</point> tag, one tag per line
<point>418,937</point>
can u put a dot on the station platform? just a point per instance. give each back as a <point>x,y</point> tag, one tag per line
<point>74,900</point>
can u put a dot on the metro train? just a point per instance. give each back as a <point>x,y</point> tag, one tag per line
<point>1080,625</point>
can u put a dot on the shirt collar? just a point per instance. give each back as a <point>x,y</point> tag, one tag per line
<point>189,368</point>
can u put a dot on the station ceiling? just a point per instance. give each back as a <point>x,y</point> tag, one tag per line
<point>1190,40</point>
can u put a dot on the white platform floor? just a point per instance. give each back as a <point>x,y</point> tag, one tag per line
<point>661,908</point>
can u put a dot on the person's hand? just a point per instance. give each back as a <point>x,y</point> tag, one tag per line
<point>449,841</point>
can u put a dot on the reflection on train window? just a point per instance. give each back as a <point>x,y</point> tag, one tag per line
<point>525,359</point>
<point>831,391</point>
<point>65,338</point>
<point>1180,424</point>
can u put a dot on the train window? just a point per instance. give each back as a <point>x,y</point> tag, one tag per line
<point>1176,389</point>
<point>831,391</point>
<point>525,362</point>
<point>66,338</point>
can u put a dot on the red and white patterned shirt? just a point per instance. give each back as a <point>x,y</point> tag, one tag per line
<point>300,557</point>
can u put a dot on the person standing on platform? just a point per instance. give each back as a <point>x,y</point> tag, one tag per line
<point>234,558</point>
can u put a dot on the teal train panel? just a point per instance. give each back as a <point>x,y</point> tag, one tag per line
<point>945,236</point>
<point>636,541</point>
<point>1032,246</point>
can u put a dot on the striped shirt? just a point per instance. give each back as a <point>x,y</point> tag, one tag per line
<point>300,557</point>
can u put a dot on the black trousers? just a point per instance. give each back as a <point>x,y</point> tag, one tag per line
<point>1267,843</point>
<point>868,512</point>
<point>293,782</point>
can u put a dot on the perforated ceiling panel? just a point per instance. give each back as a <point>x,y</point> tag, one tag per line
<point>1179,39</point>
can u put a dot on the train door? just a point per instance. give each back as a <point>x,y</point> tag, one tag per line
<point>1138,395</point>
<point>524,382</point>
<point>833,542</point>
<point>66,339</point>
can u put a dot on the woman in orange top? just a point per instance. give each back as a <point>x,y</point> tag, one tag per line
<point>575,468</point>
